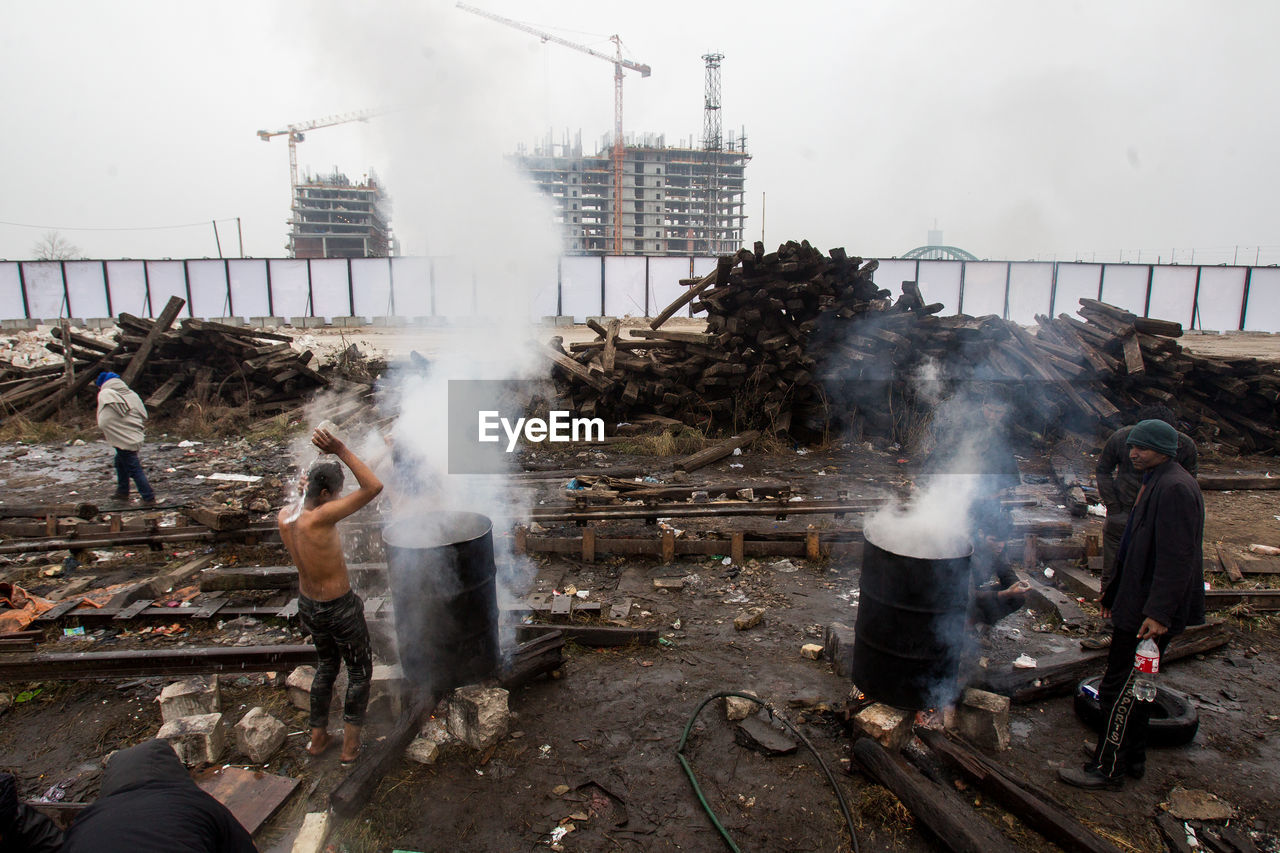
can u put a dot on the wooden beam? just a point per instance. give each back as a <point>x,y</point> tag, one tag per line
<point>144,663</point>
<point>716,452</point>
<point>686,297</point>
<point>593,635</point>
<point>354,791</point>
<point>158,328</point>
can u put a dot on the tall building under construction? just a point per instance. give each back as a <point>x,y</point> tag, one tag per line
<point>675,201</point>
<point>335,218</point>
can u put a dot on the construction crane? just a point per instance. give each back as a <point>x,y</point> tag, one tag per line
<point>618,64</point>
<point>297,133</point>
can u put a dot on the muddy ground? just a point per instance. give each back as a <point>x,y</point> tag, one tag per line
<point>595,747</point>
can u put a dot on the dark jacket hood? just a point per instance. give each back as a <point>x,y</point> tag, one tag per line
<point>150,762</point>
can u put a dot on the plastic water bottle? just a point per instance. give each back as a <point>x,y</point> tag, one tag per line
<point>1146,663</point>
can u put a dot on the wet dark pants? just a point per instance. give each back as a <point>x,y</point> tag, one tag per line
<point>1122,743</point>
<point>129,467</point>
<point>340,634</point>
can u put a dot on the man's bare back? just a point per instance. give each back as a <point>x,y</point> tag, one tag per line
<point>312,536</point>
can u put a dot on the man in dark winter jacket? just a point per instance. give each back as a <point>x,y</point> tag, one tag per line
<point>22,828</point>
<point>149,804</point>
<point>1157,590</point>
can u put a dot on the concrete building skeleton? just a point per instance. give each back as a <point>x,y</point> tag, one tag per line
<point>334,218</point>
<point>676,201</point>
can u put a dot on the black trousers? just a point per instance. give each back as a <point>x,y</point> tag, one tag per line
<point>340,634</point>
<point>1122,743</point>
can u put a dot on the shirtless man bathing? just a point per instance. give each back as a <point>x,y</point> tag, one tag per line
<point>330,611</point>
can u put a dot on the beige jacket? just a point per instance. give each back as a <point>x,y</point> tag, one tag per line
<point>121,415</point>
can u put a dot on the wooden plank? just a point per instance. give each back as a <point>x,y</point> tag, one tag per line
<point>1237,482</point>
<point>133,609</point>
<point>570,366</point>
<point>674,337</point>
<point>952,822</point>
<point>78,510</point>
<point>1229,565</point>
<point>353,792</point>
<point>161,325</point>
<point>1133,362</point>
<point>716,452</point>
<point>162,394</point>
<point>145,663</point>
<point>1036,808</point>
<point>218,517</point>
<point>173,578</point>
<point>610,354</point>
<point>686,297</point>
<point>593,635</point>
<point>252,796</point>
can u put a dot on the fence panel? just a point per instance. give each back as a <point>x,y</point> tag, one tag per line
<point>329,295</point>
<point>86,289</point>
<point>940,282</point>
<point>1076,282</point>
<point>580,287</point>
<point>1173,291</point>
<point>984,288</point>
<point>290,293</point>
<point>11,307</point>
<point>1125,286</point>
<point>1263,311</point>
<point>167,279</point>
<point>624,291</point>
<point>664,283</point>
<point>128,287</point>
<point>248,288</point>
<point>371,281</point>
<point>45,295</point>
<point>455,288</point>
<point>1030,288</point>
<point>892,273</point>
<point>208,286</point>
<point>1221,294</point>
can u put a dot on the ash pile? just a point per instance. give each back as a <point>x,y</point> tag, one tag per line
<point>803,343</point>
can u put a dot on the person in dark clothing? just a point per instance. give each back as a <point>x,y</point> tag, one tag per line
<point>1157,590</point>
<point>1118,484</point>
<point>148,803</point>
<point>22,828</point>
<point>996,590</point>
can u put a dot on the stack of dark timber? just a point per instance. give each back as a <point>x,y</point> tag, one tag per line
<point>209,362</point>
<point>803,343</point>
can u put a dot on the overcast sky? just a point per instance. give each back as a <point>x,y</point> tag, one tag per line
<point>1023,129</point>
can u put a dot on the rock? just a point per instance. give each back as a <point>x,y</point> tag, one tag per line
<point>888,725</point>
<point>6,702</point>
<point>808,698</point>
<point>737,708</point>
<point>668,583</point>
<point>189,698</point>
<point>260,505</point>
<point>478,716</point>
<point>313,834</point>
<point>436,728</point>
<point>1189,804</point>
<point>199,739</point>
<point>422,750</point>
<point>837,647</point>
<point>786,567</point>
<point>756,732</point>
<point>812,651</point>
<point>748,618</point>
<point>259,735</point>
<point>983,718</point>
<point>299,686</point>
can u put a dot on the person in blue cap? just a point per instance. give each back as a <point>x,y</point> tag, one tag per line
<point>1156,591</point>
<point>122,418</point>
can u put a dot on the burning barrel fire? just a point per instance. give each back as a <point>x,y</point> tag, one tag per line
<point>441,572</point>
<point>911,619</point>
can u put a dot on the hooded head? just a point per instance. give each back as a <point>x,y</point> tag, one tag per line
<point>105,377</point>
<point>1155,435</point>
<point>152,761</point>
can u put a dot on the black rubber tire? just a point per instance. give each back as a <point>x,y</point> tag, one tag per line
<point>1174,718</point>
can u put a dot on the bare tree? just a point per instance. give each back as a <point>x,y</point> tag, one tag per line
<point>54,247</point>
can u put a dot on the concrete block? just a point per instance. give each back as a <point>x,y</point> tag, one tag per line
<point>307,322</point>
<point>983,719</point>
<point>190,697</point>
<point>199,739</point>
<point>350,322</point>
<point>739,709</point>
<point>264,322</point>
<point>891,727</point>
<point>837,647</point>
<point>313,834</point>
<point>99,322</point>
<point>19,325</point>
<point>228,321</point>
<point>389,321</point>
<point>478,716</point>
<point>258,735</point>
<point>565,320</point>
<point>299,686</point>
<point>812,651</point>
<point>422,750</point>
<point>748,619</point>
<point>436,727</point>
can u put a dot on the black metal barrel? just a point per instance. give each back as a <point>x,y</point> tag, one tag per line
<point>910,627</point>
<point>441,572</point>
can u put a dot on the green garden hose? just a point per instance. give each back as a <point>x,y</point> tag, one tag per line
<point>697,789</point>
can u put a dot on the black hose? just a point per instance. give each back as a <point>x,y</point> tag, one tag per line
<point>697,789</point>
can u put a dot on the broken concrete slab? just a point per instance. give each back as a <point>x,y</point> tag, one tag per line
<point>889,726</point>
<point>258,735</point>
<point>983,718</point>
<point>748,619</point>
<point>422,750</point>
<point>299,686</point>
<point>737,708</point>
<point>387,689</point>
<point>758,733</point>
<point>199,739</point>
<point>478,716</point>
<point>313,834</point>
<point>189,697</point>
<point>812,651</point>
<point>1189,804</point>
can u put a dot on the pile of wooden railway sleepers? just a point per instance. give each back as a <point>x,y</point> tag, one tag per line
<point>806,343</point>
<point>210,362</point>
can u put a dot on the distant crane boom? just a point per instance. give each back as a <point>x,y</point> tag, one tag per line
<point>296,133</point>
<point>618,64</point>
